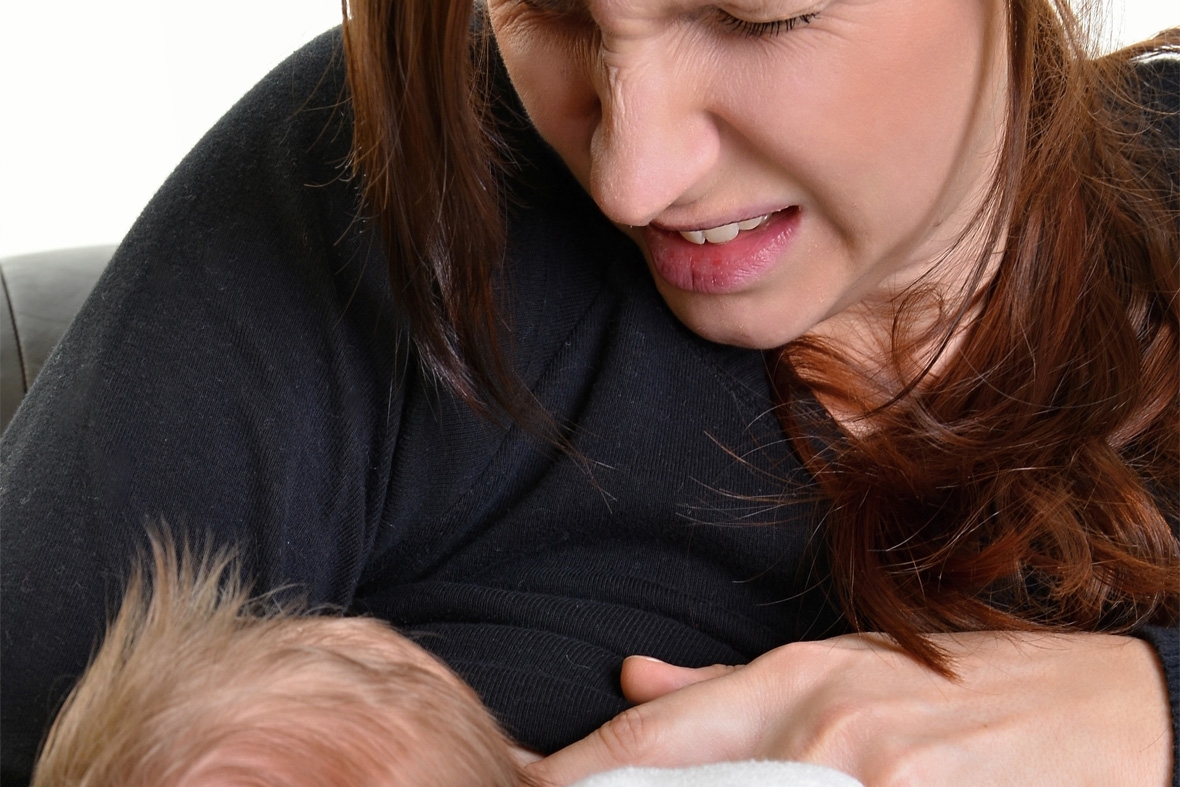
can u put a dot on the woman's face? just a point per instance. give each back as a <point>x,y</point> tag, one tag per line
<point>845,142</point>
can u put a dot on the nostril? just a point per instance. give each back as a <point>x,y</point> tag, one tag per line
<point>635,179</point>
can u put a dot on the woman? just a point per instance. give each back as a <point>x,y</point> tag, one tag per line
<point>932,241</point>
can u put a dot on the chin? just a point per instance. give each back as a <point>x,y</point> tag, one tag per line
<point>732,327</point>
<point>754,319</point>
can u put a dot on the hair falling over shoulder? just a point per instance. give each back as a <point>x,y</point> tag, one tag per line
<point>1031,480</point>
<point>426,160</point>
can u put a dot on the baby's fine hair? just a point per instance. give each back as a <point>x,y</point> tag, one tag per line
<point>197,683</point>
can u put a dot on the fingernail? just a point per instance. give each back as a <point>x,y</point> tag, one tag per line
<point>652,659</point>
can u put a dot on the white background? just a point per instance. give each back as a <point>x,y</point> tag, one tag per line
<point>99,99</point>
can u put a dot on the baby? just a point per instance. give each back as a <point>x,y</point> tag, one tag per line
<point>197,685</point>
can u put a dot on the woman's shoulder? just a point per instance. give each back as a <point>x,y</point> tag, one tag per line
<point>285,141</point>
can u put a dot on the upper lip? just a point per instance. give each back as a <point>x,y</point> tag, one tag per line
<point>706,225</point>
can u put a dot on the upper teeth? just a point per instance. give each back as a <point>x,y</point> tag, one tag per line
<point>724,233</point>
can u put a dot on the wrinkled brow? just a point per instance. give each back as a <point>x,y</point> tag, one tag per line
<point>559,6</point>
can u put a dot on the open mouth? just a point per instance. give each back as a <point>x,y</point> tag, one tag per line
<point>721,259</point>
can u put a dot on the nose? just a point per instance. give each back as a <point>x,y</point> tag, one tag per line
<point>654,141</point>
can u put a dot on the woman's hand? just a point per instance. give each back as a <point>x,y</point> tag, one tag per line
<point>1025,709</point>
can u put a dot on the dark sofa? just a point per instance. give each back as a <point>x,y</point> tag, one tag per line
<point>41,294</point>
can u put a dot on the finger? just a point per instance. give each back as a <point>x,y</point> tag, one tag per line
<point>644,679</point>
<point>710,721</point>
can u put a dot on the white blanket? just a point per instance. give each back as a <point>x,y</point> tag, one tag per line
<point>725,774</point>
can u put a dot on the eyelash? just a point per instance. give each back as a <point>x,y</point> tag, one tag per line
<point>749,29</point>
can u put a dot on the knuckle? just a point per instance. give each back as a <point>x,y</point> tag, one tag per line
<point>837,730</point>
<point>630,736</point>
<point>903,767</point>
<point>801,651</point>
<point>813,658</point>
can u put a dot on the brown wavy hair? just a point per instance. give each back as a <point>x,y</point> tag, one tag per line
<point>1030,481</point>
<point>426,157</point>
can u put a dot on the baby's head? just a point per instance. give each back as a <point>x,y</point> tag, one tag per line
<point>194,686</point>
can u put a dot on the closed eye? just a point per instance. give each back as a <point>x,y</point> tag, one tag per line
<point>744,27</point>
<point>576,11</point>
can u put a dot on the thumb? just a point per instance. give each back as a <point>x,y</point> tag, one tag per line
<point>708,721</point>
<point>644,679</point>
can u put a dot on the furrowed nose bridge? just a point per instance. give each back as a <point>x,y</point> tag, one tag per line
<point>654,137</point>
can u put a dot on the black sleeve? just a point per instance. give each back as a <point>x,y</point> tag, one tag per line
<point>1166,641</point>
<point>232,375</point>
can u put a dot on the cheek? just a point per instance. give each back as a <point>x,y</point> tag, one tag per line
<point>869,125</point>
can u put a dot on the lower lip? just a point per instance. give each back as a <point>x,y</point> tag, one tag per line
<point>718,268</point>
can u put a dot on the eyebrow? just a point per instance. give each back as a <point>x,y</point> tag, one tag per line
<point>559,6</point>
